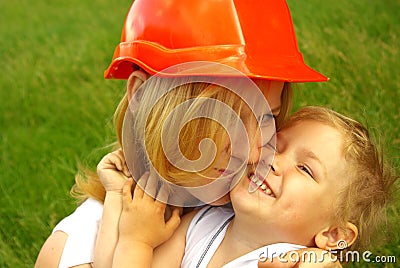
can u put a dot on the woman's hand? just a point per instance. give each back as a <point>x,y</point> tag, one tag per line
<point>113,171</point>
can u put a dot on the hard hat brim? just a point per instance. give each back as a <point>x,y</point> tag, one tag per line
<point>130,56</point>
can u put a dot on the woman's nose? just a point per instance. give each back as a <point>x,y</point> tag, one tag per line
<point>262,145</point>
<point>248,151</point>
<point>254,153</point>
<point>254,147</point>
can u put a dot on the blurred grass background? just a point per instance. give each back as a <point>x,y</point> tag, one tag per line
<point>56,108</point>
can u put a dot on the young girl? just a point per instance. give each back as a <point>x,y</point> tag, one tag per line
<point>215,31</point>
<point>327,186</point>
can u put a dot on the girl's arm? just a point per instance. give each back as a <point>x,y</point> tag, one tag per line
<point>113,173</point>
<point>141,227</point>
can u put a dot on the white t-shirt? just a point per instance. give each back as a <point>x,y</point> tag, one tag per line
<point>206,232</point>
<point>81,227</point>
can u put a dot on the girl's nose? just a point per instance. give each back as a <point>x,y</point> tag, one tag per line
<point>276,168</point>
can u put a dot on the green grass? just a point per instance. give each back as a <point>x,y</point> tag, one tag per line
<point>56,108</point>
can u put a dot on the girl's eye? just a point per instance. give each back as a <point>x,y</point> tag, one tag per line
<point>305,169</point>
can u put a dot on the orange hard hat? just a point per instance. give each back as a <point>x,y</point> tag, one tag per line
<point>256,37</point>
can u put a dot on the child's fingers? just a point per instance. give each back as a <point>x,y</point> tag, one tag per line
<point>174,221</point>
<point>120,153</point>
<point>151,187</point>
<point>162,195</point>
<point>126,171</point>
<point>110,161</point>
<point>126,191</point>
<point>119,160</point>
<point>141,184</point>
<point>124,168</point>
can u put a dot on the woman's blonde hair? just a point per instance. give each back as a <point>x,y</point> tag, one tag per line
<point>364,199</point>
<point>87,182</point>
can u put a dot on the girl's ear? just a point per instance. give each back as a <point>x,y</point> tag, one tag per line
<point>332,238</point>
<point>135,80</point>
<point>129,86</point>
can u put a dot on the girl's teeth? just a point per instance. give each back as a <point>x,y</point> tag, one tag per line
<point>254,184</point>
<point>266,190</point>
<point>256,180</point>
<point>264,187</point>
<point>257,183</point>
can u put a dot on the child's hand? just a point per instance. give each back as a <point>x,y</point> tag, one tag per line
<point>142,219</point>
<point>113,171</point>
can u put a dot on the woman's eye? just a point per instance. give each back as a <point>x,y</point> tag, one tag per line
<point>306,170</point>
<point>265,119</point>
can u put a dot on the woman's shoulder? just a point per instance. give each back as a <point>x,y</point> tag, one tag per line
<point>90,211</point>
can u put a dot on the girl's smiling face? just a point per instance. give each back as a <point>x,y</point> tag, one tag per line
<point>296,198</point>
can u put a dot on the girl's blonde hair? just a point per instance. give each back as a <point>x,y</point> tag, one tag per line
<point>363,201</point>
<point>87,182</point>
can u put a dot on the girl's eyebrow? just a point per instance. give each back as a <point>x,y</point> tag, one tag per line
<point>311,155</point>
